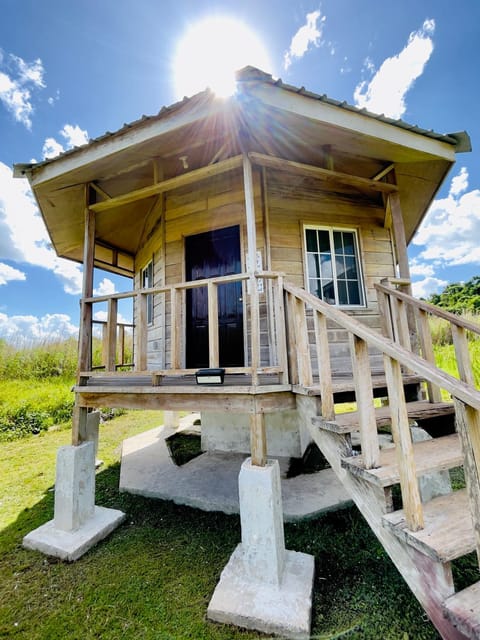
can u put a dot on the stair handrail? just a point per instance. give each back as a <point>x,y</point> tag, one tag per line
<point>466,399</point>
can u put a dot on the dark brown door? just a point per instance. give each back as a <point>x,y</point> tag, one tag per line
<point>208,255</point>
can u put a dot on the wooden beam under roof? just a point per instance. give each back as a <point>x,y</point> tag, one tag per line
<point>169,184</point>
<point>308,170</point>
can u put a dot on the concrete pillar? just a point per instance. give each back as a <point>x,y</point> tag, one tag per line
<point>171,419</point>
<point>74,486</point>
<point>263,542</point>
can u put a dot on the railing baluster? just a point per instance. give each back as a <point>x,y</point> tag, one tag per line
<point>468,428</point>
<point>385,311</point>
<point>292,354</point>
<point>426,345</point>
<point>404,449</point>
<point>324,366</point>
<point>213,340</point>
<point>362,377</point>
<point>402,332</point>
<point>254,329</point>
<point>121,344</point>
<point>462,354</point>
<point>175,327</point>
<point>111,338</point>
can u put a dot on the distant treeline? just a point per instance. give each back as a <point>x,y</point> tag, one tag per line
<point>459,298</point>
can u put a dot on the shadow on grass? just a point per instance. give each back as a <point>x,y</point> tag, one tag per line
<point>154,576</point>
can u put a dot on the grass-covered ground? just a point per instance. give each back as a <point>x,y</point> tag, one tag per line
<point>154,576</point>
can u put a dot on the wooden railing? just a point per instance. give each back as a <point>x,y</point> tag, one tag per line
<point>466,398</point>
<point>400,310</point>
<point>116,344</point>
<point>269,303</point>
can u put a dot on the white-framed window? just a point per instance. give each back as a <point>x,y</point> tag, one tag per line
<point>146,283</point>
<point>333,266</point>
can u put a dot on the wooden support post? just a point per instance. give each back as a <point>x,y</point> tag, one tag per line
<point>79,425</point>
<point>362,377</point>
<point>252,259</point>
<point>302,343</point>
<point>141,333</point>
<point>462,354</point>
<point>400,238</point>
<point>426,345</point>
<point>121,344</point>
<point>213,343</point>
<point>280,326</point>
<point>258,439</point>
<point>403,442</point>
<point>111,354</point>
<point>324,366</point>
<point>103,355</point>
<point>468,428</point>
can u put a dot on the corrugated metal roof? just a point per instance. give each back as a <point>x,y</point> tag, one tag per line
<point>252,74</point>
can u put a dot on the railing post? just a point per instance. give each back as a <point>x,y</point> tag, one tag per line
<point>302,343</point>
<point>280,325</point>
<point>121,344</point>
<point>403,442</point>
<point>141,333</point>
<point>385,310</point>
<point>291,346</point>
<point>213,341</point>
<point>425,336</point>
<point>324,367</point>
<point>111,338</point>
<point>462,354</point>
<point>468,427</point>
<point>362,377</point>
<point>175,327</point>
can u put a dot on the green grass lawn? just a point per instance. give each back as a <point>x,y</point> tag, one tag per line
<point>154,576</point>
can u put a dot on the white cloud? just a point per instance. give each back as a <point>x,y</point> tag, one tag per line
<point>17,81</point>
<point>25,329</point>
<point>74,137</point>
<point>308,34</point>
<point>451,228</point>
<point>8,273</point>
<point>23,237</point>
<point>421,269</point>
<point>105,288</point>
<point>385,92</point>
<point>424,288</point>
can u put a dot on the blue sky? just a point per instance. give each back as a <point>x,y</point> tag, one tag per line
<point>70,71</point>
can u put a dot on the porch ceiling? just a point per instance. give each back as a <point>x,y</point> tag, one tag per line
<point>204,130</point>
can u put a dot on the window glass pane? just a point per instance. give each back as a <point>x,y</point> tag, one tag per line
<point>326,263</point>
<point>340,267</point>
<point>311,236</point>
<point>353,293</point>
<point>348,243</point>
<point>313,266</point>
<point>324,241</point>
<point>351,268</point>
<point>314,287</point>
<point>342,292</point>
<point>337,240</point>
<point>328,291</point>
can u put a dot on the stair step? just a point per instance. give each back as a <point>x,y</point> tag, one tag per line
<point>419,410</point>
<point>463,610</point>
<point>438,454</point>
<point>448,532</point>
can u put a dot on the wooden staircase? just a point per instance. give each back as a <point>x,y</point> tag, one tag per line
<point>422,539</point>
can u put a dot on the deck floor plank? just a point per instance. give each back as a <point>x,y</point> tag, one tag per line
<point>463,609</point>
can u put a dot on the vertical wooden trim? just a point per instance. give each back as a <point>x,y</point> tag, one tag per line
<point>86,313</point>
<point>111,354</point>
<point>468,427</point>
<point>362,377</point>
<point>252,259</point>
<point>141,333</point>
<point>462,354</point>
<point>324,366</point>
<point>258,439</point>
<point>403,443</point>
<point>426,345</point>
<point>213,341</point>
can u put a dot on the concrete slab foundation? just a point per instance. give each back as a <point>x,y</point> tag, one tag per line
<point>210,481</point>
<point>71,545</point>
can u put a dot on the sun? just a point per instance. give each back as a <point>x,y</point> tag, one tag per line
<point>211,51</point>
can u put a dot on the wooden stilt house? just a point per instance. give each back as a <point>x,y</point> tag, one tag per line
<point>266,235</point>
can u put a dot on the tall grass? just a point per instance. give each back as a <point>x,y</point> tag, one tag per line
<point>46,359</point>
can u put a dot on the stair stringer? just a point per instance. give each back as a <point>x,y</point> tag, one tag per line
<point>431,582</point>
